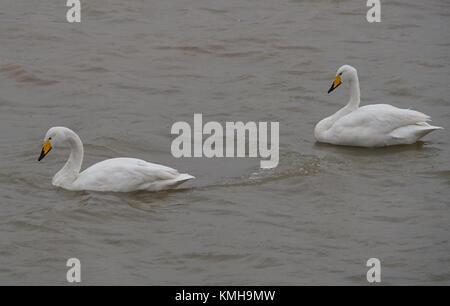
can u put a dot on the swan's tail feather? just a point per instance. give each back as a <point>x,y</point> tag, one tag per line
<point>412,133</point>
<point>180,179</point>
<point>432,127</point>
<point>184,177</point>
<point>426,124</point>
<point>167,184</point>
<point>428,128</point>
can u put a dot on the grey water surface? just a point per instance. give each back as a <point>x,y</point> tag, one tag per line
<point>131,69</point>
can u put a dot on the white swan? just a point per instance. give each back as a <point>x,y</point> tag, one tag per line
<point>117,174</point>
<point>375,125</point>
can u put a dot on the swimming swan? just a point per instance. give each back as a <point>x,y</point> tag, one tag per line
<point>117,174</point>
<point>374,125</point>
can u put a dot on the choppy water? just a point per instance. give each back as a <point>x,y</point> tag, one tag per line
<point>131,69</point>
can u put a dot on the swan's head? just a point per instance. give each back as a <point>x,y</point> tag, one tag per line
<point>54,137</point>
<point>344,74</point>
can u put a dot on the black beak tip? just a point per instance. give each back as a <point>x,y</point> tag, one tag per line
<point>41,156</point>
<point>333,87</point>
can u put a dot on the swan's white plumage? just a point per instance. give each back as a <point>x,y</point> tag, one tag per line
<point>128,174</point>
<point>116,174</point>
<point>372,125</point>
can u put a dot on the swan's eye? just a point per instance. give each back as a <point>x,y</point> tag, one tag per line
<point>49,138</point>
<point>340,73</point>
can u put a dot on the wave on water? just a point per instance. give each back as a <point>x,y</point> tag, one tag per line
<point>18,73</point>
<point>292,164</point>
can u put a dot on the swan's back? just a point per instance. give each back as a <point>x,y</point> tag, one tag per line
<point>128,174</point>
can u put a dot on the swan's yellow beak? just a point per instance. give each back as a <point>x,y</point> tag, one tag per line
<point>336,83</point>
<point>45,149</point>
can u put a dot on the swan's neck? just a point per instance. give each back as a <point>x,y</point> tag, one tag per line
<point>355,96</point>
<point>353,104</point>
<point>69,173</point>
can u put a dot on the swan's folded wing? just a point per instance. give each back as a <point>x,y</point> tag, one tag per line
<point>380,119</point>
<point>123,174</point>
